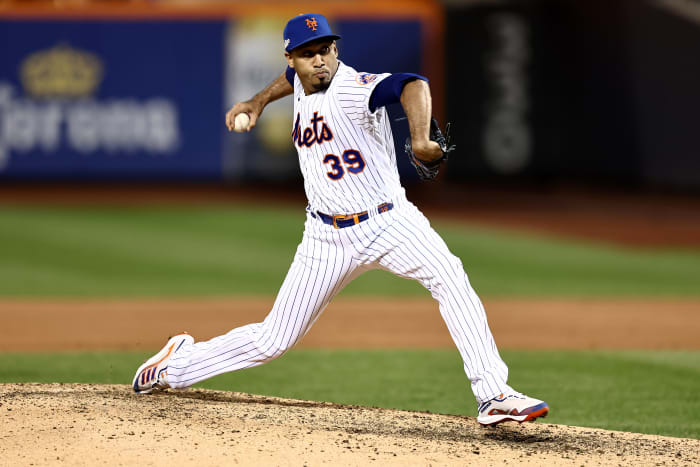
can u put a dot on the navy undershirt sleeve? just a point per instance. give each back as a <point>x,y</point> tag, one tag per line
<point>290,75</point>
<point>388,91</point>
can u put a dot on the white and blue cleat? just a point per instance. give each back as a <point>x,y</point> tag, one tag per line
<point>511,407</point>
<point>153,374</point>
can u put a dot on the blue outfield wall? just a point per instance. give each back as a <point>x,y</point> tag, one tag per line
<point>145,100</point>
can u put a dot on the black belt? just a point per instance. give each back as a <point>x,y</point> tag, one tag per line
<point>346,220</point>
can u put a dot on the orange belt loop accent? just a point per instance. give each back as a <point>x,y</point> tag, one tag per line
<point>355,217</point>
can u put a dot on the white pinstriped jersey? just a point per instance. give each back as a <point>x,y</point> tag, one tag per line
<point>346,153</point>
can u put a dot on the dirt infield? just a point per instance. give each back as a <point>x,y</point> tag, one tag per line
<point>62,424</point>
<point>353,323</point>
<point>110,425</point>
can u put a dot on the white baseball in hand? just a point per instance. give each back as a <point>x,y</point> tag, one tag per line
<point>241,122</point>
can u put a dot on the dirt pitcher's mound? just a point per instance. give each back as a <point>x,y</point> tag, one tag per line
<point>80,424</point>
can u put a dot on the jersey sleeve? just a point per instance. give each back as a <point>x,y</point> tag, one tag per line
<point>390,89</point>
<point>354,93</point>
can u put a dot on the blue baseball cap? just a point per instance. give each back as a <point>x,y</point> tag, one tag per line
<point>306,28</point>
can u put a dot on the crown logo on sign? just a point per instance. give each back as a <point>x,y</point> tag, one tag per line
<point>311,23</point>
<point>61,71</point>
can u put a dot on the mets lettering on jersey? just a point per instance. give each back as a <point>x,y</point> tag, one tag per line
<point>311,134</point>
<point>353,161</point>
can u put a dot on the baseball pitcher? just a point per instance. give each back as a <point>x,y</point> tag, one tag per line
<point>357,219</point>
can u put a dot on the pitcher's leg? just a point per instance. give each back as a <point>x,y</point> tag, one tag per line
<point>319,271</point>
<point>416,251</point>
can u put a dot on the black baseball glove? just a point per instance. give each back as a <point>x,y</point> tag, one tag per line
<point>428,170</point>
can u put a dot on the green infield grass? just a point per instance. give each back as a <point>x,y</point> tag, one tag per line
<point>637,391</point>
<point>229,250</point>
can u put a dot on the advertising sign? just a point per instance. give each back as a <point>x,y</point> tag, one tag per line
<point>110,99</point>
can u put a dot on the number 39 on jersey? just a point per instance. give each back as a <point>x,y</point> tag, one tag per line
<point>353,163</point>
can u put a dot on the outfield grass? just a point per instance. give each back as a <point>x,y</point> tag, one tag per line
<point>637,391</point>
<point>229,250</point>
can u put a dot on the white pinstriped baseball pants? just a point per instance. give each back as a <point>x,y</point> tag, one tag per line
<point>400,241</point>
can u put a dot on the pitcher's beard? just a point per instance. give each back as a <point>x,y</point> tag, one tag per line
<point>322,85</point>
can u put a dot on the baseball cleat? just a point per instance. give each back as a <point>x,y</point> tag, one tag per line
<point>512,407</point>
<point>152,375</point>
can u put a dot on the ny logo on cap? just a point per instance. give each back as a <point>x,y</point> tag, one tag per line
<point>311,23</point>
